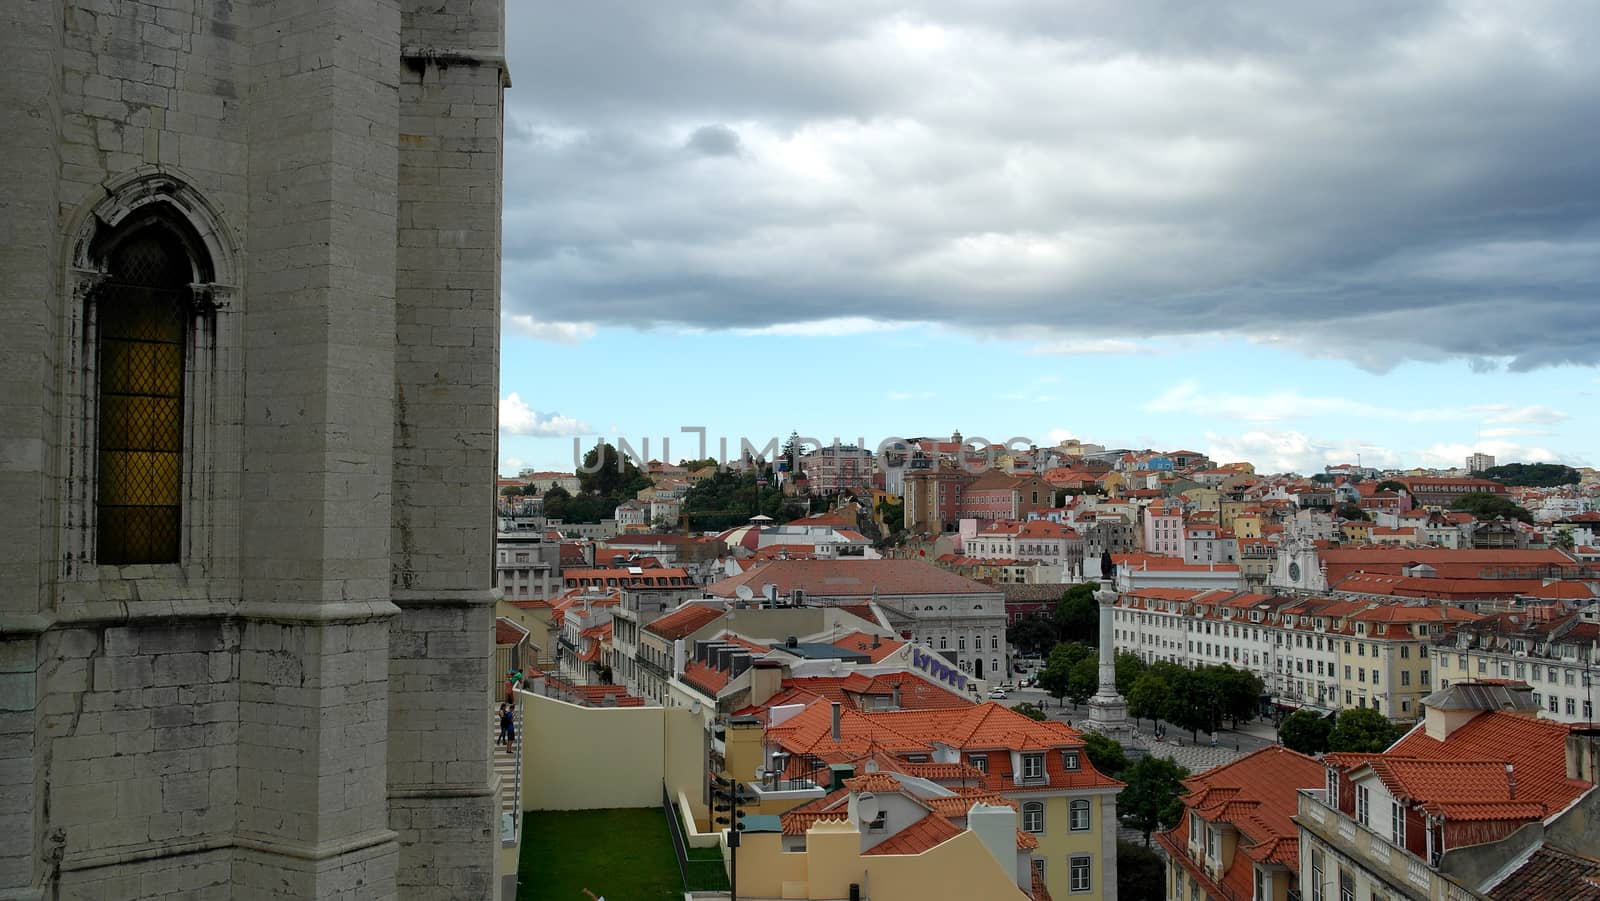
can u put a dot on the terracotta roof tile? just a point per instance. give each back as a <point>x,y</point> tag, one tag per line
<point>685,620</point>
<point>1551,874</point>
<point>923,835</point>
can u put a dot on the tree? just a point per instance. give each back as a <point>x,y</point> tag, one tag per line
<point>1563,540</point>
<point>1362,730</point>
<point>1140,874</point>
<point>893,514</point>
<point>1033,634</point>
<point>1353,512</point>
<point>1078,614</point>
<point>605,472</point>
<point>1129,668</point>
<point>1484,505</point>
<point>1391,485</point>
<point>1305,731</point>
<point>1152,798</point>
<point>511,491</point>
<point>1192,703</point>
<point>1147,698</point>
<point>1057,670</point>
<point>1533,475</point>
<point>1031,711</point>
<point>1238,691</point>
<point>1106,755</point>
<point>1082,680</point>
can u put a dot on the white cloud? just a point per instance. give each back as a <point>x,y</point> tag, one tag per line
<point>1448,454</point>
<point>1275,406</point>
<point>825,328</point>
<point>1498,414</point>
<point>1056,436</point>
<point>510,466</point>
<point>554,332</point>
<point>1292,451</point>
<point>517,418</point>
<point>1088,346</point>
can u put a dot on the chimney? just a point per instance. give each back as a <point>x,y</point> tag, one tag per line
<point>836,714</point>
<point>1511,780</point>
<point>896,696</point>
<point>1583,754</point>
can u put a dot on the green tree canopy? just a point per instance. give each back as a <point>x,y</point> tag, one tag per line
<point>1078,614</point>
<point>1238,692</point>
<point>1056,675</point>
<point>1083,679</point>
<point>1391,485</point>
<point>1193,702</point>
<point>1353,512</point>
<point>1106,755</point>
<point>1484,505</point>
<point>1533,475</point>
<point>1147,699</point>
<point>1129,668</point>
<point>1362,730</point>
<point>1031,711</point>
<point>1305,731</point>
<point>1034,633</point>
<point>1152,798</point>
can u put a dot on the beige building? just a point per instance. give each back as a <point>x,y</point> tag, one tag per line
<point>252,315</point>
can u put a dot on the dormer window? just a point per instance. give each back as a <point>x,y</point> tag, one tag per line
<point>1070,760</point>
<point>1033,767</point>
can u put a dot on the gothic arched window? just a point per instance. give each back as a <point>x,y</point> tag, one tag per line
<point>143,317</point>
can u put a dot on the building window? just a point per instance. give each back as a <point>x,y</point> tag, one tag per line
<point>980,762</point>
<point>880,823</point>
<point>1032,767</point>
<point>142,323</point>
<point>1070,760</point>
<point>1078,816</point>
<point>1347,885</point>
<point>1213,843</point>
<point>1080,873</point>
<point>1033,817</point>
<point>1362,804</point>
<point>944,642</point>
<point>1397,823</point>
<point>1259,893</point>
<point>1316,875</point>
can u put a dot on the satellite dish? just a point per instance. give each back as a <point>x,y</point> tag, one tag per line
<point>744,592</point>
<point>867,807</point>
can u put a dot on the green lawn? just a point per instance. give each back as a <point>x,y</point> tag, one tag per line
<point>624,855</point>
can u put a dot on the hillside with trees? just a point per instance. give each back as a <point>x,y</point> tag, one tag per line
<point>1532,475</point>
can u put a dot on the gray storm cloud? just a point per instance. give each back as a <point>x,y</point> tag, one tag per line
<point>1355,181</point>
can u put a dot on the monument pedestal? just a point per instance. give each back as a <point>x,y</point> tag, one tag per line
<point>1108,712</point>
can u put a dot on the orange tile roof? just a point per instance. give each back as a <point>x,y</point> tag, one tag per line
<point>685,620</point>
<point>873,782</point>
<point>851,578</point>
<point>1551,874</point>
<point>704,678</point>
<point>923,835</point>
<point>1535,749</point>
<point>1258,795</point>
<point>861,642</point>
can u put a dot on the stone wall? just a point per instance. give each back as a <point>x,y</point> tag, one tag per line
<point>296,708</point>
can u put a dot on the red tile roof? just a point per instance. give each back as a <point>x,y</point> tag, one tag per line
<point>851,578</point>
<point>685,620</point>
<point>1258,795</point>
<point>1551,874</point>
<point>508,632</point>
<point>923,835</point>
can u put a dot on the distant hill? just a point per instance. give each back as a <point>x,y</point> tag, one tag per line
<point>1532,475</point>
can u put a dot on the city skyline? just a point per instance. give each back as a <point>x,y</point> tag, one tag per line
<point>1288,240</point>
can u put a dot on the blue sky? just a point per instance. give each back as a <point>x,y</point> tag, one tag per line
<point>1228,397</point>
<point>1286,235</point>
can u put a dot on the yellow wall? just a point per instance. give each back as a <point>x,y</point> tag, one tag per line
<point>579,758</point>
<point>959,868</point>
<point>1057,843</point>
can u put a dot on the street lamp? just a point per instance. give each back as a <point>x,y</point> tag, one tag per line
<point>727,801</point>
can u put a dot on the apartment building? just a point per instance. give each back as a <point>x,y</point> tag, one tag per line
<point>1553,649</point>
<point>961,621</point>
<point>1067,807</point>
<point>1315,652</point>
<point>1237,838</point>
<point>1163,528</point>
<point>1463,806</point>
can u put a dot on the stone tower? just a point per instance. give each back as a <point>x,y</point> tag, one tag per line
<point>248,398</point>
<point>1108,712</point>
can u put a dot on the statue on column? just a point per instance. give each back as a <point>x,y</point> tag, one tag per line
<point>1108,712</point>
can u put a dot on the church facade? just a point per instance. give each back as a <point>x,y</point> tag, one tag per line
<point>247,460</point>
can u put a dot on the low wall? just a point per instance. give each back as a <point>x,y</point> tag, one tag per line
<point>590,758</point>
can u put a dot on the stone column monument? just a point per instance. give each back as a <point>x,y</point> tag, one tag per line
<point>1108,712</point>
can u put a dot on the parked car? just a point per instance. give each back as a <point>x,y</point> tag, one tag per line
<point>997,694</point>
<point>1009,686</point>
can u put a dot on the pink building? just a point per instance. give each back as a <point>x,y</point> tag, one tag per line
<point>1163,528</point>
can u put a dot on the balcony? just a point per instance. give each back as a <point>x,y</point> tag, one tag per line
<point>1399,866</point>
<point>796,791</point>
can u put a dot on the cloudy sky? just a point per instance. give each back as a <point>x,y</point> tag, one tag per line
<point>1285,234</point>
